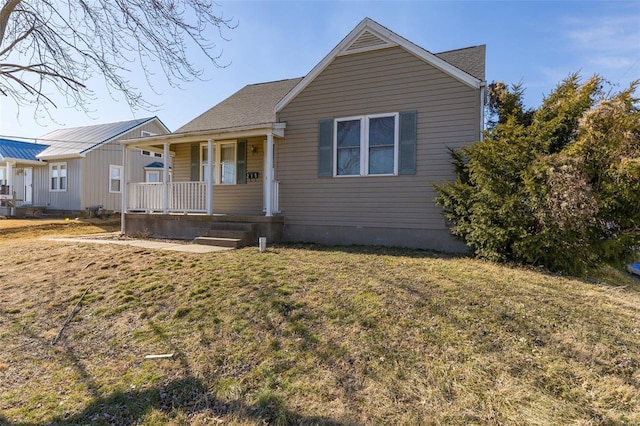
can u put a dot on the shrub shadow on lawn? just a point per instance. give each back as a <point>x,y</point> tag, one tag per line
<point>185,397</point>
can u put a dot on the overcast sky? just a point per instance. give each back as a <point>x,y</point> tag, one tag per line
<point>538,43</point>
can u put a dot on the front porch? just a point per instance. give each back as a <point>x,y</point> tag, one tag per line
<point>217,186</point>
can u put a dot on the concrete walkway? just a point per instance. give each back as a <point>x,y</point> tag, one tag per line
<point>112,238</point>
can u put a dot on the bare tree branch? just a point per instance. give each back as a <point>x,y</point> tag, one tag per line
<point>49,46</point>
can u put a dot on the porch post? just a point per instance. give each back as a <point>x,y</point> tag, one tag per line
<point>12,192</point>
<point>125,187</point>
<point>268,177</point>
<point>209,177</point>
<point>165,179</point>
<point>10,176</point>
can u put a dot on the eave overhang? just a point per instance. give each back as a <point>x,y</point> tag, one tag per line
<point>276,129</point>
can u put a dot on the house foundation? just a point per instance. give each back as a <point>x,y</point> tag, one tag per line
<point>189,227</point>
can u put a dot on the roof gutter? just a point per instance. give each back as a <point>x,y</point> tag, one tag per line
<point>22,161</point>
<point>60,157</point>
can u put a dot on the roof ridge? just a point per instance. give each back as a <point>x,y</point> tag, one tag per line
<point>461,48</point>
<point>145,119</point>
<point>274,81</point>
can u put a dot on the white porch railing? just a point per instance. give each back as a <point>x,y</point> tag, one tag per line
<point>183,196</point>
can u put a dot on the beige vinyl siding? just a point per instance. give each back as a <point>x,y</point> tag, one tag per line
<point>181,162</point>
<point>228,199</point>
<point>381,81</point>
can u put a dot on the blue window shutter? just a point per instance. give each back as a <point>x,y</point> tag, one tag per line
<point>195,162</point>
<point>241,166</point>
<point>407,148</point>
<point>325,148</point>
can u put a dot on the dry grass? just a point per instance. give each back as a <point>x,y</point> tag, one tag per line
<point>307,335</point>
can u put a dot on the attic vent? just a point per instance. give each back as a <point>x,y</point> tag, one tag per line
<point>367,41</point>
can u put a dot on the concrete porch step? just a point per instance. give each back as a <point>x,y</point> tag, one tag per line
<point>219,241</point>
<point>243,232</point>
<point>224,233</point>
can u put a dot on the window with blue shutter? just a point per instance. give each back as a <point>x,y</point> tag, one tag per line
<point>407,144</point>
<point>195,162</point>
<point>325,148</point>
<point>241,168</point>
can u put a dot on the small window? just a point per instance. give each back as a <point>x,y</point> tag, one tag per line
<point>151,154</point>
<point>145,133</point>
<point>115,179</point>
<point>366,145</point>
<point>58,177</point>
<point>152,176</point>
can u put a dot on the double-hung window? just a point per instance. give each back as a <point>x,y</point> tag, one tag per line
<point>223,160</point>
<point>58,177</point>
<point>115,179</point>
<point>366,145</point>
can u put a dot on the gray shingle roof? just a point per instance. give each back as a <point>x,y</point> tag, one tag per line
<point>252,105</point>
<point>78,140</point>
<point>20,150</point>
<point>469,59</point>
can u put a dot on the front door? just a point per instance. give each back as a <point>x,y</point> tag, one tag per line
<point>28,185</point>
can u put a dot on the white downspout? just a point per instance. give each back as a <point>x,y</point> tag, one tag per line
<point>165,179</point>
<point>125,187</point>
<point>209,177</point>
<point>268,177</point>
<point>483,88</point>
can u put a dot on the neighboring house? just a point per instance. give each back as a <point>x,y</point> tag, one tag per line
<point>17,162</point>
<point>346,155</point>
<point>84,164</point>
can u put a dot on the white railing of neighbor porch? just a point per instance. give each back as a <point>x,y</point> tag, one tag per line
<point>183,196</point>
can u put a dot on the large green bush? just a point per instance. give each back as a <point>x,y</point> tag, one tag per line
<point>558,186</point>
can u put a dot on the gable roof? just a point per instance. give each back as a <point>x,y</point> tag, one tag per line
<point>250,106</point>
<point>77,141</point>
<point>369,35</point>
<point>18,150</point>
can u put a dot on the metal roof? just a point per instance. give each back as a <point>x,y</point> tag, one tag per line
<point>20,150</point>
<point>78,140</point>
